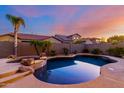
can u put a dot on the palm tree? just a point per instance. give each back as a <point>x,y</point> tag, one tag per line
<point>43,45</point>
<point>16,22</point>
<point>36,44</point>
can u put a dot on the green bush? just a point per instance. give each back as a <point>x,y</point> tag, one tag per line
<point>118,51</point>
<point>66,51</point>
<point>78,42</point>
<point>75,52</point>
<point>96,51</point>
<point>52,52</point>
<point>85,50</point>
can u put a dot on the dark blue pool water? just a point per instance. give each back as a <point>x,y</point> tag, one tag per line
<point>71,70</point>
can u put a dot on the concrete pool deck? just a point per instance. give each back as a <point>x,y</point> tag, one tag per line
<point>112,76</point>
<point>6,68</point>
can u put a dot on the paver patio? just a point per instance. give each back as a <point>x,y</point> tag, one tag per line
<point>7,67</point>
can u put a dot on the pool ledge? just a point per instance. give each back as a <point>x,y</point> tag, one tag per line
<point>112,75</point>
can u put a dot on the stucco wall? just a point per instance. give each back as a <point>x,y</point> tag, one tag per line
<point>7,38</point>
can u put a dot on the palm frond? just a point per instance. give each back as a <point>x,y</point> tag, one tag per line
<point>15,20</point>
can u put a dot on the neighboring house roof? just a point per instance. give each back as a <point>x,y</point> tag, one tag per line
<point>74,34</point>
<point>28,36</point>
<point>63,38</point>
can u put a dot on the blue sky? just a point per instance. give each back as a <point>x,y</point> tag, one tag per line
<point>89,21</point>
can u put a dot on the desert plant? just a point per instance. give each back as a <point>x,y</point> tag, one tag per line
<point>85,50</point>
<point>66,51</point>
<point>75,51</point>
<point>118,51</point>
<point>52,52</point>
<point>96,51</point>
<point>16,22</point>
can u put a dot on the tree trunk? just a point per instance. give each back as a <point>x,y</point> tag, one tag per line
<point>15,41</point>
<point>36,50</point>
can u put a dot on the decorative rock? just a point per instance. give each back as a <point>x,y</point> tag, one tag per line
<point>24,69</point>
<point>27,62</point>
<point>43,54</point>
<point>43,58</point>
<point>11,57</point>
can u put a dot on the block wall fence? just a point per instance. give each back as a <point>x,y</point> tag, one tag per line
<point>25,49</point>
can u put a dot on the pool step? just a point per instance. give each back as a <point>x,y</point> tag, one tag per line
<point>8,73</point>
<point>13,77</point>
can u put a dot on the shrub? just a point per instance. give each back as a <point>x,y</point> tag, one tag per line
<point>52,52</point>
<point>75,52</point>
<point>118,52</point>
<point>78,42</point>
<point>85,50</point>
<point>66,51</point>
<point>96,51</point>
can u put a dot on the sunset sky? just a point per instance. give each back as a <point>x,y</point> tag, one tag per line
<point>89,21</point>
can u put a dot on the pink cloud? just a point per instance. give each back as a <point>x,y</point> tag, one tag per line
<point>94,22</point>
<point>99,21</point>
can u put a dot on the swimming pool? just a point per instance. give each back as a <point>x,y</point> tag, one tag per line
<point>78,69</point>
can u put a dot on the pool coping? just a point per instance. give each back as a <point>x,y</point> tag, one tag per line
<point>111,76</point>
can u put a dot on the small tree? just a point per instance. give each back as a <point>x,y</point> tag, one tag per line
<point>44,46</point>
<point>36,44</point>
<point>116,39</point>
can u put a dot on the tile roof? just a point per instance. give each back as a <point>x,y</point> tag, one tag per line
<point>63,38</point>
<point>74,34</point>
<point>29,36</point>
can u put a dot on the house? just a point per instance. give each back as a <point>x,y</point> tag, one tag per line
<point>68,39</point>
<point>27,37</point>
<point>91,40</point>
<point>75,37</point>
